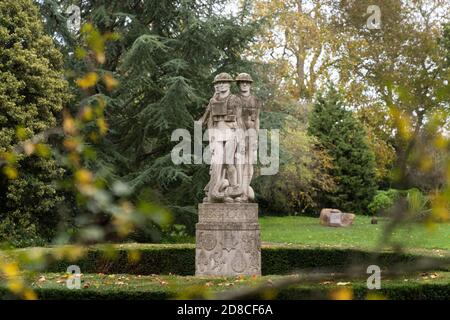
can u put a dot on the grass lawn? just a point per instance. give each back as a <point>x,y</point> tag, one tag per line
<point>432,285</point>
<point>307,231</point>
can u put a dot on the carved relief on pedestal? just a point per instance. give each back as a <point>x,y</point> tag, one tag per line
<point>231,213</point>
<point>251,245</point>
<point>229,241</point>
<point>254,261</point>
<point>207,241</point>
<point>249,241</point>
<point>238,263</point>
<point>202,261</point>
<point>218,260</point>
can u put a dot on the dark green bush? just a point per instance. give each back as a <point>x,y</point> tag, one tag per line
<point>417,203</point>
<point>405,291</point>
<point>180,260</point>
<point>395,291</point>
<point>383,201</point>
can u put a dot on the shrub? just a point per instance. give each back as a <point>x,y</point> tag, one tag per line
<point>383,201</point>
<point>180,259</point>
<point>417,203</point>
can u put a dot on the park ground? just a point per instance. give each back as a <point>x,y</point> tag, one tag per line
<point>165,271</point>
<point>306,231</point>
<point>362,235</point>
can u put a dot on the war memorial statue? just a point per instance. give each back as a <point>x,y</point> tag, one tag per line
<point>227,234</point>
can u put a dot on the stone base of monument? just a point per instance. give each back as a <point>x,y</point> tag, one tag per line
<point>227,240</point>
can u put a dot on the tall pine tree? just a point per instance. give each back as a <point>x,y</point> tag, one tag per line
<point>344,138</point>
<point>165,61</point>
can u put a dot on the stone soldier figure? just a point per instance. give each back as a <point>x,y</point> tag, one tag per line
<point>251,107</point>
<point>224,120</point>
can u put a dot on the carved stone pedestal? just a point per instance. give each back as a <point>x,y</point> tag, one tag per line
<point>227,240</point>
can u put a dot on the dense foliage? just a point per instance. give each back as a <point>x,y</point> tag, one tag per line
<point>344,138</point>
<point>164,61</point>
<point>302,178</point>
<point>32,92</point>
<point>179,259</point>
<point>155,77</point>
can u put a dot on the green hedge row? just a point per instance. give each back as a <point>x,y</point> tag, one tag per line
<point>391,292</point>
<point>180,260</point>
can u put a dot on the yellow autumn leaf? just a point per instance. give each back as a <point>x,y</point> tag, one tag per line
<point>375,296</point>
<point>29,295</point>
<point>71,144</point>
<point>80,53</point>
<point>11,269</point>
<point>86,28</point>
<point>94,136</point>
<point>342,294</point>
<point>111,36</point>
<point>88,81</point>
<point>102,126</point>
<point>21,133</point>
<point>110,82</point>
<point>9,157</point>
<point>83,176</point>
<point>441,142</point>
<point>43,150</point>
<point>75,252</point>
<point>134,256</point>
<point>28,148</point>
<point>74,158</point>
<point>10,172</point>
<point>69,126</point>
<point>15,286</point>
<point>87,114</point>
<point>100,56</point>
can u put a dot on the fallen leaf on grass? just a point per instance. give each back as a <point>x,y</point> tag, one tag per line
<point>342,294</point>
<point>343,283</point>
<point>225,284</point>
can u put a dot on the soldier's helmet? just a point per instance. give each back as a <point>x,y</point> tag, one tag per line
<point>244,77</point>
<point>223,77</point>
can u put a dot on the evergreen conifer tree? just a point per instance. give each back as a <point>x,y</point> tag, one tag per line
<point>344,138</point>
<point>165,60</point>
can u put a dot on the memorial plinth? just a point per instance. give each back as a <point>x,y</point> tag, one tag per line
<point>228,240</point>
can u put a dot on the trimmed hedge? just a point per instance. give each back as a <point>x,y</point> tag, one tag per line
<point>90,294</point>
<point>392,291</point>
<point>180,259</point>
